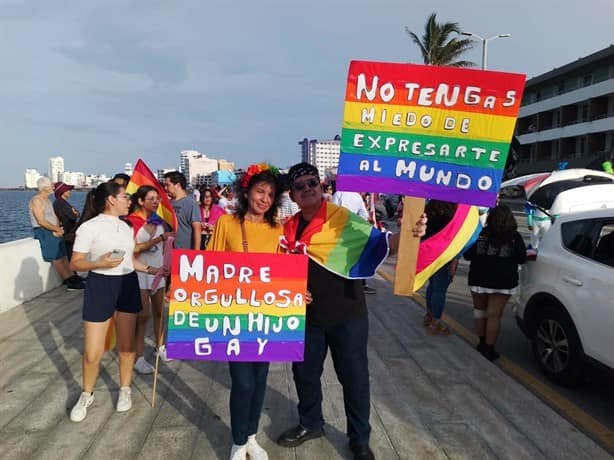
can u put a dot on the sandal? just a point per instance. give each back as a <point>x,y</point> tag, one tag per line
<point>438,328</point>
<point>428,319</point>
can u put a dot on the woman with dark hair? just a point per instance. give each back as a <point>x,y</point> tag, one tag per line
<point>104,247</point>
<point>439,214</point>
<point>210,212</point>
<point>493,274</point>
<point>253,228</point>
<point>149,235</point>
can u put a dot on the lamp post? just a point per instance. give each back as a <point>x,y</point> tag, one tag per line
<point>484,43</point>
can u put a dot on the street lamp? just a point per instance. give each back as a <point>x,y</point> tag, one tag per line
<point>484,43</point>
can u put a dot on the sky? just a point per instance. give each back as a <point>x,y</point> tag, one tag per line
<point>102,83</point>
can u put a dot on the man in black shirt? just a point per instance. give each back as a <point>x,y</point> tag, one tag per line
<point>336,319</point>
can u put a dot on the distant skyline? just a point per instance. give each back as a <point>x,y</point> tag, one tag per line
<point>102,83</point>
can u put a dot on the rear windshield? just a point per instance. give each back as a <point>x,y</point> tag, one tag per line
<point>545,196</point>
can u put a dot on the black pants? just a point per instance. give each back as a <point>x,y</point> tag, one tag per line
<point>246,398</point>
<point>348,347</point>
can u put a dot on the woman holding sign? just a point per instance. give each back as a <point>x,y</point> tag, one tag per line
<point>253,228</point>
<point>104,247</point>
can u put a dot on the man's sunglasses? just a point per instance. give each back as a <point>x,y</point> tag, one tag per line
<point>311,183</point>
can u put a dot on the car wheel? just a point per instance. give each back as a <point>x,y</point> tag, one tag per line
<point>557,348</point>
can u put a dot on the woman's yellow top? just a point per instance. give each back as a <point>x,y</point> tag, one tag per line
<point>261,237</point>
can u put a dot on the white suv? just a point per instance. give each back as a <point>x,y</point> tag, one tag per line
<point>566,303</point>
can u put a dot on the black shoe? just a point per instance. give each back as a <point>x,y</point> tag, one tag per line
<point>490,353</point>
<point>369,290</point>
<point>481,348</point>
<point>74,283</point>
<point>297,436</point>
<point>362,452</point>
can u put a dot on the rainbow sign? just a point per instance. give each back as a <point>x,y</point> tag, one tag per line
<point>234,306</point>
<point>427,131</point>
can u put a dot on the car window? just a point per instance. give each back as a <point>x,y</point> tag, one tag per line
<point>604,251</point>
<point>578,237</point>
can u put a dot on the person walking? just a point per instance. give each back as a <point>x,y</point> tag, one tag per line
<point>210,212</point>
<point>104,247</point>
<point>149,235</point>
<point>493,274</point>
<point>47,230</point>
<point>253,228</point>
<point>66,213</point>
<point>439,214</point>
<point>186,209</point>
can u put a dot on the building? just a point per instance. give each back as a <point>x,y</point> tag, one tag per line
<point>184,158</point>
<point>161,172</point>
<point>223,165</point>
<point>75,178</point>
<point>30,178</point>
<point>323,154</point>
<point>56,168</point>
<point>94,180</point>
<point>567,115</point>
<point>128,169</point>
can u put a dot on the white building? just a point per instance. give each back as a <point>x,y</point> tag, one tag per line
<point>56,168</point>
<point>94,180</point>
<point>75,178</point>
<point>30,178</point>
<point>128,169</point>
<point>184,158</point>
<point>323,154</point>
<point>161,172</point>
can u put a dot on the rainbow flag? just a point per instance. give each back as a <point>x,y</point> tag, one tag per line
<point>340,241</point>
<point>427,131</point>
<point>446,244</point>
<point>236,306</point>
<point>142,175</point>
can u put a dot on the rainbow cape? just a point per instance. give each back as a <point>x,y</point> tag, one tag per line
<point>446,244</point>
<point>142,175</point>
<point>339,241</point>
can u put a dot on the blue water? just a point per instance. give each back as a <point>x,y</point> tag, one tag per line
<point>14,220</point>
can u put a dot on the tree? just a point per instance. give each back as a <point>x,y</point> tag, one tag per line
<point>439,47</point>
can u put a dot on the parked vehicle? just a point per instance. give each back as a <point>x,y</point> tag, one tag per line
<point>566,303</point>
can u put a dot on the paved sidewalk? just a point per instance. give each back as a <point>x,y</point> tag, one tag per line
<point>432,398</point>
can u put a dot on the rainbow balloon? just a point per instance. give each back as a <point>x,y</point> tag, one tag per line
<point>234,306</point>
<point>427,131</point>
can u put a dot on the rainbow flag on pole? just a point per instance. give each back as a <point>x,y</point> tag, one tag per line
<point>142,175</point>
<point>355,252</point>
<point>446,244</point>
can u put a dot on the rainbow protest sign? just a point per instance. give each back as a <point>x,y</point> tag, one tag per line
<point>232,306</point>
<point>427,131</point>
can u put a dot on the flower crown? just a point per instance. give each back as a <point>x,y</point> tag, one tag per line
<point>257,168</point>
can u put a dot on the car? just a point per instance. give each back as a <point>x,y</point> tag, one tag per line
<point>566,303</point>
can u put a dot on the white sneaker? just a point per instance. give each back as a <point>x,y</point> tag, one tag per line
<point>124,401</point>
<point>238,452</point>
<point>143,367</point>
<point>162,351</point>
<point>255,450</point>
<point>79,410</point>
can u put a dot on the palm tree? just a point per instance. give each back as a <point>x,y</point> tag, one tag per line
<point>437,45</point>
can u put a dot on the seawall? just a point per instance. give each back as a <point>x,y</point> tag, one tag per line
<point>23,273</point>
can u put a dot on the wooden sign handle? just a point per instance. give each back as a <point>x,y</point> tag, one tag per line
<point>408,247</point>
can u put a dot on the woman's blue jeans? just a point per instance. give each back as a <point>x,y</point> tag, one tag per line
<point>436,291</point>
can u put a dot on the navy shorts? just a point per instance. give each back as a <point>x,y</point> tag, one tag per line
<point>52,247</point>
<point>105,294</point>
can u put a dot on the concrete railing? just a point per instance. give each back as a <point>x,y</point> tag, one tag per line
<point>23,273</point>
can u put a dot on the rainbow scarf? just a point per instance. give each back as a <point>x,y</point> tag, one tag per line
<point>338,240</point>
<point>137,221</point>
<point>446,244</point>
<point>142,175</point>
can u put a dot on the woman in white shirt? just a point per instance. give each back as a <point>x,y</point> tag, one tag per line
<point>104,247</point>
<point>149,234</point>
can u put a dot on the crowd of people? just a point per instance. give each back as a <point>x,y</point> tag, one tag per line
<point>120,242</point>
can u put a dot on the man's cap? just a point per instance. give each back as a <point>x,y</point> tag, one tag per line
<point>302,169</point>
